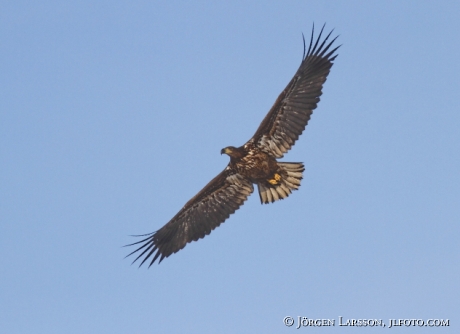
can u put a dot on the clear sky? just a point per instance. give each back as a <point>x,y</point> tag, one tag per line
<point>113,115</point>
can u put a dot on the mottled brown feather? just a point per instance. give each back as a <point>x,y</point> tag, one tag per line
<point>203,213</point>
<point>291,112</point>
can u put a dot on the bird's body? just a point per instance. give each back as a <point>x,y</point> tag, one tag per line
<point>253,163</point>
<point>248,161</point>
<point>274,179</point>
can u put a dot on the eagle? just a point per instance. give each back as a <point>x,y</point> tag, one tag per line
<point>253,163</point>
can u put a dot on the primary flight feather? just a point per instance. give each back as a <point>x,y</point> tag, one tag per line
<point>253,163</point>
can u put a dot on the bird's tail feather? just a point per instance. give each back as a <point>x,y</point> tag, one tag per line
<point>284,182</point>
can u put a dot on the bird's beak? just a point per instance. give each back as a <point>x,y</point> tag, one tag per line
<point>222,151</point>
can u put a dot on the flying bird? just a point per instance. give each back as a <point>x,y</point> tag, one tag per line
<point>253,163</point>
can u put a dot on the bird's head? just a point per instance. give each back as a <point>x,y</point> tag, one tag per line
<point>231,151</point>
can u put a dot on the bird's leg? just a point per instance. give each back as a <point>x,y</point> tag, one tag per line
<point>275,180</point>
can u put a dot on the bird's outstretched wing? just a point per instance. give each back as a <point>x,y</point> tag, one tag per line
<point>291,112</point>
<point>203,213</point>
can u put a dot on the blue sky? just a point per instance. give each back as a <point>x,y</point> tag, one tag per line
<point>113,115</point>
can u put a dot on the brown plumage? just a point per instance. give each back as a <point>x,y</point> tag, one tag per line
<point>253,163</point>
